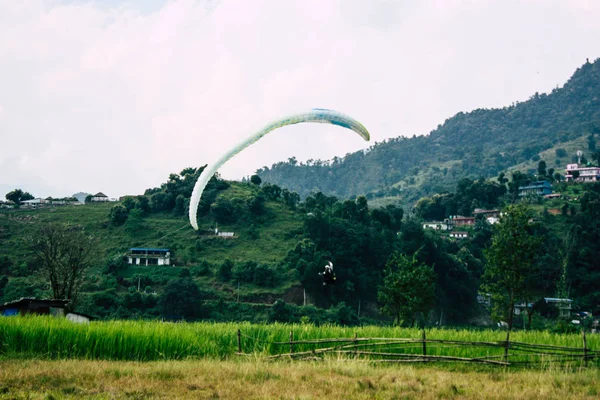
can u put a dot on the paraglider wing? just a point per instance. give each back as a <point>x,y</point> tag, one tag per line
<point>318,115</point>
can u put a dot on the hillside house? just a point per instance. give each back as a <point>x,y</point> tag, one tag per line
<point>438,226</point>
<point>459,220</point>
<point>99,197</point>
<point>148,256</point>
<point>539,188</point>
<point>6,204</point>
<point>459,235</point>
<point>491,216</point>
<point>585,174</point>
<point>34,203</point>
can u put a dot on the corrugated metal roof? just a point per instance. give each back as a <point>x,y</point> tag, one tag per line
<point>146,249</point>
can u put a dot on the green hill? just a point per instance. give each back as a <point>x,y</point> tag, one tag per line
<point>481,143</point>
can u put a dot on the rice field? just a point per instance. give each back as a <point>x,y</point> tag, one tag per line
<point>55,338</point>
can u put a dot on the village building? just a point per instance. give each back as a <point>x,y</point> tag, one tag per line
<point>584,174</point>
<point>539,188</point>
<point>459,235</point>
<point>55,308</point>
<point>148,256</point>
<point>459,220</point>
<point>34,203</point>
<point>437,225</point>
<point>34,306</point>
<point>99,197</point>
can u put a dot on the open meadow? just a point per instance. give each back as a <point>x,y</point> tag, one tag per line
<point>257,379</point>
<point>51,358</point>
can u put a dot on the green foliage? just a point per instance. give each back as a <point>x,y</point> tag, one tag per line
<point>224,272</point>
<point>118,214</point>
<point>509,271</point>
<point>480,143</point>
<point>17,196</point>
<point>181,299</point>
<point>255,179</point>
<point>408,289</point>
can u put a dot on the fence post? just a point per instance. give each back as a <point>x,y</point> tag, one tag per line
<point>291,341</point>
<point>506,346</point>
<point>424,344</point>
<point>239,337</point>
<point>585,350</point>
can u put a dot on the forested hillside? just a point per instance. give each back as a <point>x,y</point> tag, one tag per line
<point>480,143</point>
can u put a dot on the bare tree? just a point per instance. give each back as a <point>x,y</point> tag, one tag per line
<point>64,253</point>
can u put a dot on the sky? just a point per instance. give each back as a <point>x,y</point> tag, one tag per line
<point>113,96</point>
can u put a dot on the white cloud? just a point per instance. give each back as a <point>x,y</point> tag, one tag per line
<point>115,97</point>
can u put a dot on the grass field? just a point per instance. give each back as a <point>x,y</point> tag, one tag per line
<point>48,337</point>
<point>255,379</point>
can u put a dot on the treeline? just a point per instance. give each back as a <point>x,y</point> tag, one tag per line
<point>482,143</point>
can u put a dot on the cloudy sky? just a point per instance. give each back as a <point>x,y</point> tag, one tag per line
<point>113,96</point>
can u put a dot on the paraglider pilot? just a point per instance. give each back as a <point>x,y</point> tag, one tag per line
<point>328,275</point>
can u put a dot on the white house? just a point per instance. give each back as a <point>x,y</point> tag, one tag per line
<point>33,203</point>
<point>586,174</point>
<point>459,235</point>
<point>438,226</point>
<point>149,256</point>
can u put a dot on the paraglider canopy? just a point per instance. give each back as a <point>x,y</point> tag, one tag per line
<point>317,115</point>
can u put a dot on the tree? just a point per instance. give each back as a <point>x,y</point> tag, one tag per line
<point>591,142</point>
<point>510,262</point>
<point>575,175</point>
<point>255,179</point>
<point>542,168</point>
<point>63,254</point>
<point>180,299</point>
<point>408,288</point>
<point>17,196</point>
<point>118,214</point>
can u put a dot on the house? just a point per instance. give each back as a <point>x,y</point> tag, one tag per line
<point>438,226</point>
<point>61,202</point>
<point>228,235</point>
<point>459,235</point>
<point>34,306</point>
<point>491,216</point>
<point>100,197</point>
<point>6,204</point>
<point>584,174</point>
<point>459,220</point>
<point>563,305</point>
<point>79,318</point>
<point>539,188</point>
<point>486,213</point>
<point>148,256</point>
<point>34,203</point>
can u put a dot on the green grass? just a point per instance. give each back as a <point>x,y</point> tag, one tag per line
<point>161,229</point>
<point>48,337</point>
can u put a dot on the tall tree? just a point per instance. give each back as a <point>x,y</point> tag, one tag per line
<point>64,253</point>
<point>542,169</point>
<point>510,262</point>
<point>408,289</point>
<point>17,196</point>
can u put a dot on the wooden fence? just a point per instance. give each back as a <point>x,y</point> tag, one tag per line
<point>414,350</point>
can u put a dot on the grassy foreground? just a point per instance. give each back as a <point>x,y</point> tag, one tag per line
<point>254,379</point>
<point>48,337</point>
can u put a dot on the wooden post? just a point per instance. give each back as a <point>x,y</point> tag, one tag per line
<point>239,335</point>
<point>424,344</point>
<point>585,350</point>
<point>291,341</point>
<point>506,345</point>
